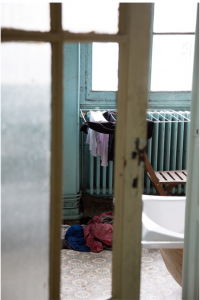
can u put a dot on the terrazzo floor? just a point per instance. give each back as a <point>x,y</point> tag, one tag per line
<point>88,276</point>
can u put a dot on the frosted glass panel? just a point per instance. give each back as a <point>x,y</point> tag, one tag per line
<point>172,63</point>
<point>105,58</point>
<point>25,157</point>
<point>27,16</point>
<point>175,17</point>
<point>86,16</point>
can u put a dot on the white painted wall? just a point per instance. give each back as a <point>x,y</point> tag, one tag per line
<point>191,244</point>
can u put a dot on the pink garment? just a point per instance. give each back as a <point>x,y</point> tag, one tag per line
<point>100,231</point>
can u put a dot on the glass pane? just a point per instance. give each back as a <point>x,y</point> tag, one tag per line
<point>25,157</point>
<point>27,16</point>
<point>86,16</point>
<point>172,63</point>
<point>105,58</point>
<point>175,17</point>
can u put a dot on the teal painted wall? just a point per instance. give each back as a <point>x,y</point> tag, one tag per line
<point>70,119</point>
<point>71,98</point>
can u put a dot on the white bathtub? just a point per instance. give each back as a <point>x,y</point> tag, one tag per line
<point>163,220</point>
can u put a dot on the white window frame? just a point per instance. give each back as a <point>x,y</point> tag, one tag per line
<point>167,99</point>
<point>177,100</point>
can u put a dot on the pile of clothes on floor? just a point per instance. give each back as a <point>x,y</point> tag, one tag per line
<point>94,236</point>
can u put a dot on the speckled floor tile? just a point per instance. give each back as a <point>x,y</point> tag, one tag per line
<point>88,276</point>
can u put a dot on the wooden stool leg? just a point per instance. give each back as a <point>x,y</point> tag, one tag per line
<point>155,181</point>
<point>170,187</point>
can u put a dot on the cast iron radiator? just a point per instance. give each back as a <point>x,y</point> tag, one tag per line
<point>166,150</point>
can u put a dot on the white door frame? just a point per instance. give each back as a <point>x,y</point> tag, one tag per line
<point>134,41</point>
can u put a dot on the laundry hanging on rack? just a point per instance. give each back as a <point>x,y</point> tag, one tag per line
<point>100,135</point>
<point>106,127</point>
<point>102,127</point>
<point>98,142</point>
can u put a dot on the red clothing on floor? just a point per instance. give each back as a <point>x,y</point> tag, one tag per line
<point>97,230</point>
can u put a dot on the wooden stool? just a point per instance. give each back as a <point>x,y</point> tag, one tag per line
<point>159,178</point>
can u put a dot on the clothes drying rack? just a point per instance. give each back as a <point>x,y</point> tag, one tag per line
<point>175,117</point>
<point>84,114</point>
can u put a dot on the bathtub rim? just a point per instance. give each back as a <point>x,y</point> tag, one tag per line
<point>159,198</point>
<point>152,227</point>
<point>160,244</point>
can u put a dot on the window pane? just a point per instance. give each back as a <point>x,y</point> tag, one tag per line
<point>27,16</point>
<point>86,16</point>
<point>105,58</point>
<point>175,17</point>
<point>172,63</point>
<point>25,157</point>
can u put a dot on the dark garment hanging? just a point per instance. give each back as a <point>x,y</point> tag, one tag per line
<point>109,127</point>
<point>150,126</point>
<point>108,115</point>
<point>102,127</point>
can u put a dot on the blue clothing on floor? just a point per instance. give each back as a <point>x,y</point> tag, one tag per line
<point>75,238</point>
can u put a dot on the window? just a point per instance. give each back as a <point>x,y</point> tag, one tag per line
<point>173,47</point>
<point>105,58</point>
<point>98,63</point>
<point>50,289</point>
<point>171,65</point>
<point>23,15</point>
<point>173,32</point>
<point>96,17</point>
<point>31,137</point>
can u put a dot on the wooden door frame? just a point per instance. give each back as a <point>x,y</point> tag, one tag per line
<point>134,49</point>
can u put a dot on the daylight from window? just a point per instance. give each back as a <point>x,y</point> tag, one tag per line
<point>25,158</point>
<point>172,63</point>
<point>86,16</point>
<point>105,58</point>
<point>172,54</point>
<point>27,16</point>
<point>182,17</point>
